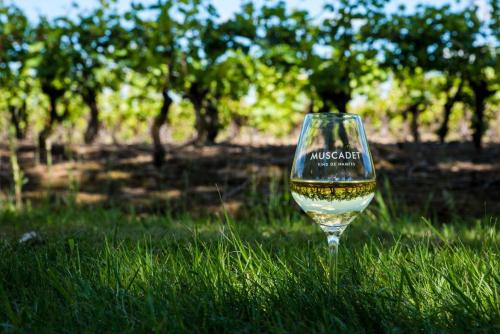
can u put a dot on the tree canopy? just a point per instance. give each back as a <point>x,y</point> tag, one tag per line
<point>265,62</point>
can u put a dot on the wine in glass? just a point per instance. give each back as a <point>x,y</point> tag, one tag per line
<point>332,177</point>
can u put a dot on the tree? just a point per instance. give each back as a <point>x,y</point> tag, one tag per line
<point>460,31</point>
<point>416,89</point>
<point>469,55</point>
<point>152,51</point>
<point>451,99</point>
<point>15,38</point>
<point>94,36</point>
<point>53,51</point>
<point>448,42</point>
<point>481,71</point>
<point>214,65</point>
<point>286,43</point>
<point>481,85</point>
<point>336,54</point>
<point>346,34</point>
<point>415,45</point>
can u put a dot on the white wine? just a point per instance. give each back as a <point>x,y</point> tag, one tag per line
<point>333,203</point>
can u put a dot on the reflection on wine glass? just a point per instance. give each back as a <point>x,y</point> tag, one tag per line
<point>332,178</point>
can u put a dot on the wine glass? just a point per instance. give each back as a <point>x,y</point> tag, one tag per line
<point>332,177</point>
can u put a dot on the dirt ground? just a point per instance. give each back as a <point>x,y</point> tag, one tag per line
<point>447,178</point>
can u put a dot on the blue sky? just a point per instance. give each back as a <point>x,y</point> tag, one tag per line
<point>226,8</point>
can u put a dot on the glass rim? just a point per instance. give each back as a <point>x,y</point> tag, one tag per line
<point>332,115</point>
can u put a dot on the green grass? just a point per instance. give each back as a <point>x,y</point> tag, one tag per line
<point>105,270</point>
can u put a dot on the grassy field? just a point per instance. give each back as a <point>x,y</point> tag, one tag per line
<point>104,269</point>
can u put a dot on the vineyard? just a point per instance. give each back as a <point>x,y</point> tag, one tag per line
<point>145,154</point>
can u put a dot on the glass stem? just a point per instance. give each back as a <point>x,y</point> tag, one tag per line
<point>333,233</point>
<point>333,242</point>
<point>333,246</point>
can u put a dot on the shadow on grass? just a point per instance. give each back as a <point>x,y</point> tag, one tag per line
<point>248,279</point>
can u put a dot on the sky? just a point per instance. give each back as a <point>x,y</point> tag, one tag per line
<point>53,8</point>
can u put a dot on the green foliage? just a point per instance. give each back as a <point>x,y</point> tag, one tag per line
<point>14,39</point>
<point>150,46</point>
<point>262,67</point>
<point>53,56</point>
<point>347,36</point>
<point>452,43</point>
<point>15,82</point>
<point>280,100</point>
<point>95,38</point>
